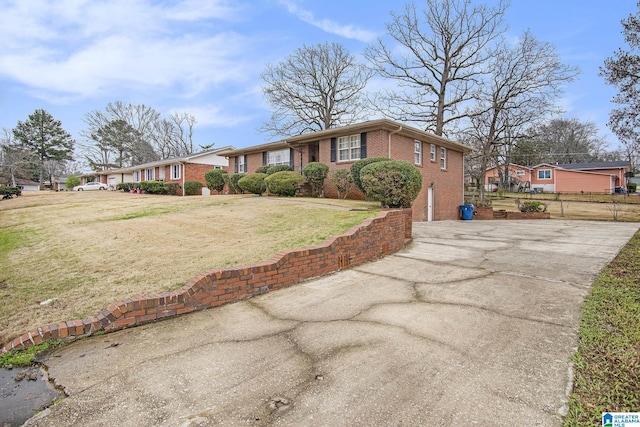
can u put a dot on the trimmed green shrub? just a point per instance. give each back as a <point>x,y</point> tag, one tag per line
<point>173,188</point>
<point>253,183</point>
<point>192,188</point>
<point>215,179</point>
<point>357,167</point>
<point>532,206</point>
<point>155,187</point>
<point>127,186</point>
<point>632,187</point>
<point>343,181</point>
<point>395,183</point>
<point>232,182</point>
<point>284,183</point>
<point>278,168</point>
<point>315,173</point>
<point>72,181</point>
<point>262,169</point>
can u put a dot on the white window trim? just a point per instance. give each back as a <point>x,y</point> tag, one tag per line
<point>242,166</point>
<point>443,158</point>
<point>351,143</point>
<point>545,178</point>
<point>175,167</point>
<point>147,174</point>
<point>417,152</point>
<point>136,176</point>
<point>279,157</point>
<point>432,152</point>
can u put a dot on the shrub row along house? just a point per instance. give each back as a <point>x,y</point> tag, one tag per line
<point>440,161</point>
<point>176,170</point>
<point>595,177</point>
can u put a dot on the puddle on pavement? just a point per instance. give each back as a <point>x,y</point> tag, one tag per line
<point>20,400</point>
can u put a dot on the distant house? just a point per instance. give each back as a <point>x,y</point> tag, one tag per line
<point>594,177</point>
<point>178,169</point>
<point>27,185</point>
<point>439,160</point>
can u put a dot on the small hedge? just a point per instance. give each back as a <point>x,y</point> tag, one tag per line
<point>192,188</point>
<point>232,182</point>
<point>215,179</point>
<point>154,187</point>
<point>357,167</point>
<point>278,168</point>
<point>262,169</point>
<point>284,183</point>
<point>127,186</point>
<point>343,181</point>
<point>632,187</point>
<point>394,183</point>
<point>315,173</point>
<point>253,183</point>
<point>532,206</point>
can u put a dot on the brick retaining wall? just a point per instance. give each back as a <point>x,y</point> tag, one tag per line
<point>376,237</point>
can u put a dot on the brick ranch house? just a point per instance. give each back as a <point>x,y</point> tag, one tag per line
<point>440,161</point>
<point>594,177</point>
<point>177,170</point>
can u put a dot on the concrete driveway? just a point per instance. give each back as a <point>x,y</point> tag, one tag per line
<point>473,324</point>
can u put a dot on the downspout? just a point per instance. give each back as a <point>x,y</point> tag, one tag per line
<point>184,172</point>
<point>391,133</point>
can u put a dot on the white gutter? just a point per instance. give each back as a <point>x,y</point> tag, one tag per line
<point>391,133</point>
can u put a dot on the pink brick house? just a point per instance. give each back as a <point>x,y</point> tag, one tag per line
<point>594,177</point>
<point>441,161</point>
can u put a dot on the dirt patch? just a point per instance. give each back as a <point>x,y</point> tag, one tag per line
<point>77,253</point>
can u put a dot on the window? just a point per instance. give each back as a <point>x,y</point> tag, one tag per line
<point>417,152</point>
<point>136,176</point>
<point>175,171</point>
<point>148,174</point>
<point>443,158</point>
<point>432,153</point>
<point>280,157</point>
<point>544,174</point>
<point>349,148</point>
<point>242,164</point>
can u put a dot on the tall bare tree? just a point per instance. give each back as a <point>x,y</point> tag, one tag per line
<point>437,56</point>
<point>524,85</point>
<point>316,88</point>
<point>623,71</point>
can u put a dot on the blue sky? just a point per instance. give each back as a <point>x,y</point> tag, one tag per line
<point>205,57</point>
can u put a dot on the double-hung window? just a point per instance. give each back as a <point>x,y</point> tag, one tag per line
<point>417,152</point>
<point>136,176</point>
<point>148,174</point>
<point>544,174</point>
<point>242,164</point>
<point>443,158</point>
<point>432,152</point>
<point>349,148</point>
<point>175,171</point>
<point>279,157</point>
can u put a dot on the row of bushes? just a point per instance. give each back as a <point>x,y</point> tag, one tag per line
<point>394,183</point>
<point>191,188</point>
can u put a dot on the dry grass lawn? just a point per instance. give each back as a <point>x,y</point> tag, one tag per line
<point>87,250</point>
<point>616,208</point>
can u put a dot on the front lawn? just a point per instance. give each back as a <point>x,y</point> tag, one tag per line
<point>70,255</point>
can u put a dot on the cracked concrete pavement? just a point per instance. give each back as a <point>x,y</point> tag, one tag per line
<point>474,323</point>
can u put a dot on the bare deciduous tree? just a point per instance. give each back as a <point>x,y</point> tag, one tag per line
<point>623,71</point>
<point>442,54</point>
<point>316,88</point>
<point>523,88</point>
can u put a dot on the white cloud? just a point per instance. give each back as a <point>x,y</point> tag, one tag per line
<point>83,48</point>
<point>347,31</point>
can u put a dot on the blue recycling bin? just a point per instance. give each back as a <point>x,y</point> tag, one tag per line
<point>466,212</point>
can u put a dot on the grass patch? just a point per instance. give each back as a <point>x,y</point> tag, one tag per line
<point>607,364</point>
<point>144,213</point>
<point>12,239</point>
<point>26,357</point>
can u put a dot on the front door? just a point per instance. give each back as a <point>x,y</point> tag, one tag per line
<point>430,204</point>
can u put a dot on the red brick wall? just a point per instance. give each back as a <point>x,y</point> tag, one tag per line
<point>376,237</point>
